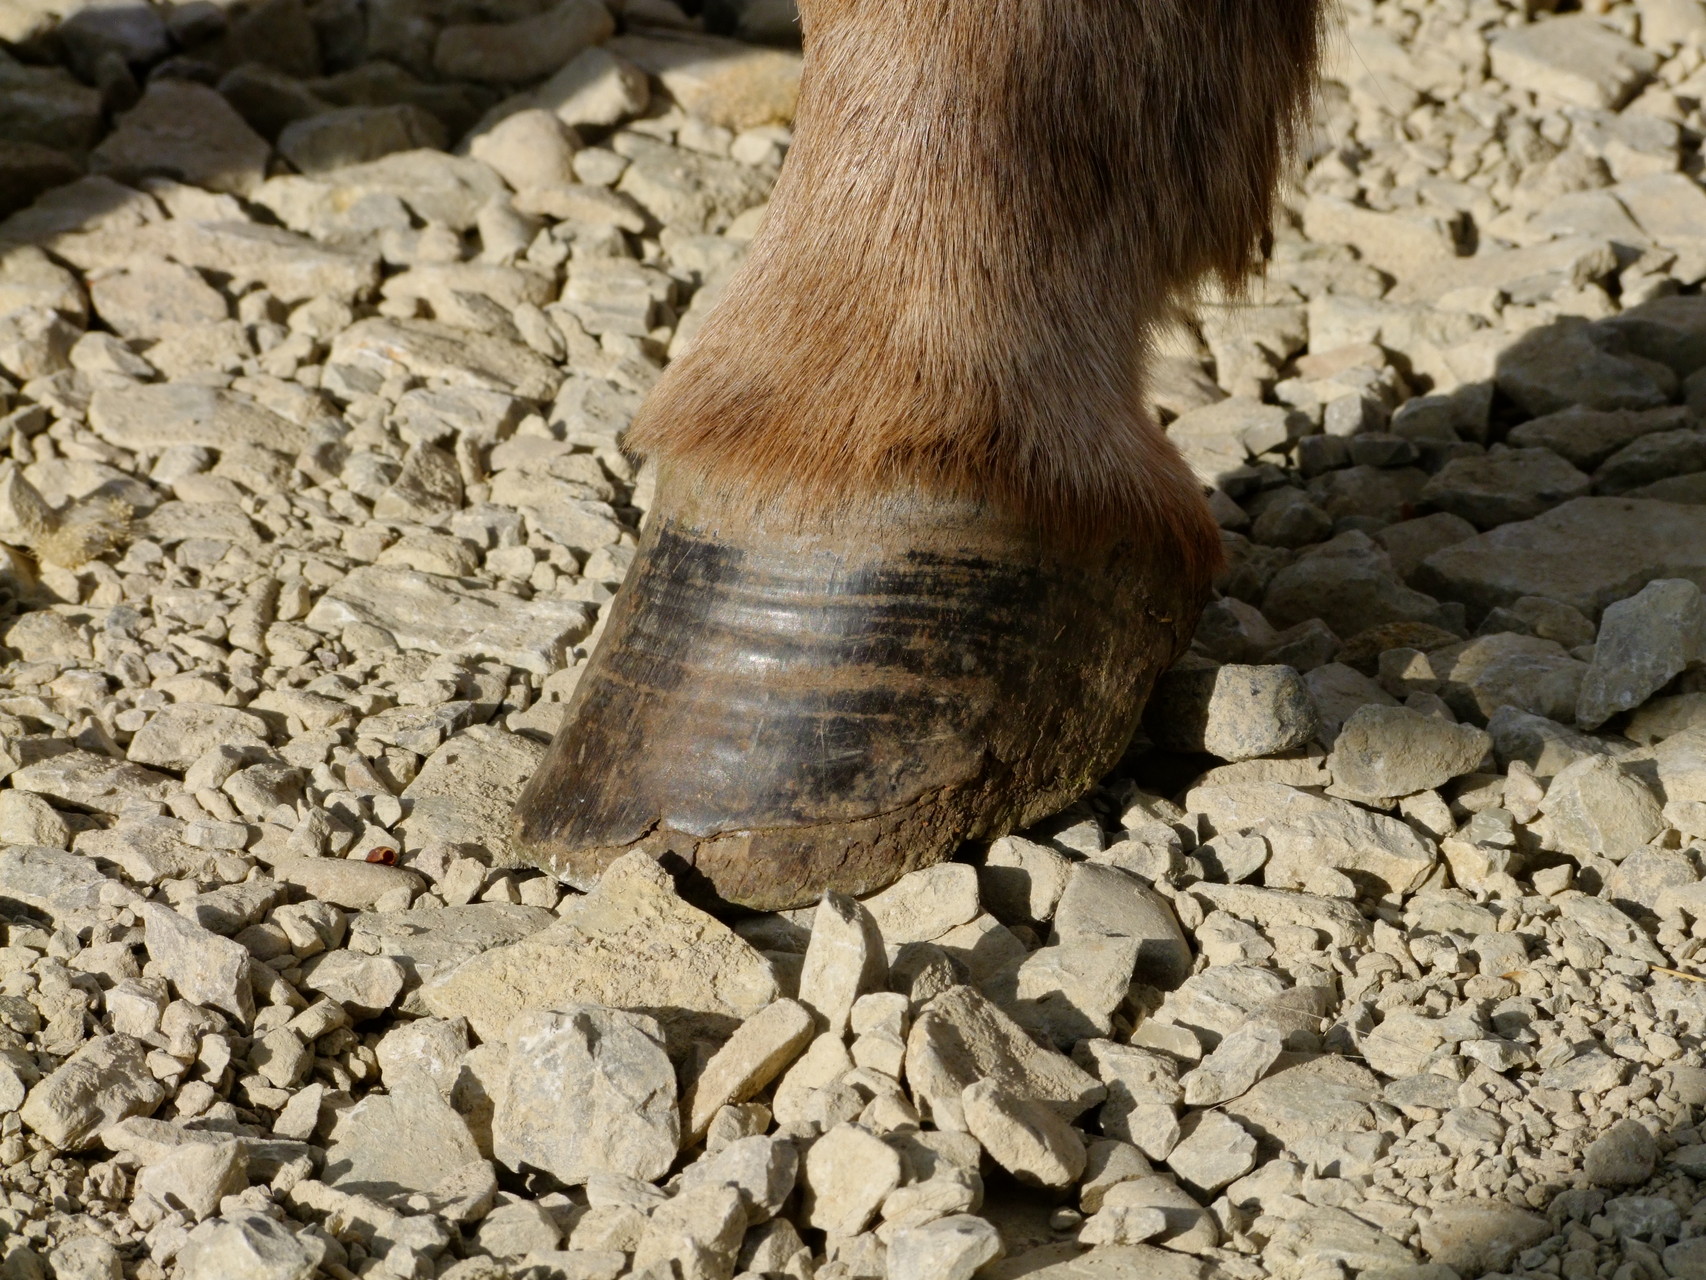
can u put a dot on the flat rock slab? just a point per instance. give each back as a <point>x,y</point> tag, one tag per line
<point>441,615</point>
<point>430,941</point>
<point>629,944</point>
<point>466,792</point>
<point>186,131</point>
<point>104,1082</point>
<point>345,882</point>
<point>438,187</point>
<point>1671,208</point>
<point>1576,259</point>
<point>429,349</point>
<point>160,415</point>
<point>171,523</point>
<point>85,780</point>
<point>293,267</point>
<point>177,735</point>
<point>1572,364</point>
<point>1121,1262</point>
<point>588,1091</point>
<point>961,1037</point>
<point>723,82</point>
<point>1574,59</point>
<point>400,1142</point>
<point>1306,831</point>
<point>1587,553</point>
<point>51,880</point>
<point>1306,1096</point>
<point>146,850</point>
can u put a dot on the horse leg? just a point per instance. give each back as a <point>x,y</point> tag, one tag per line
<point>919,552</point>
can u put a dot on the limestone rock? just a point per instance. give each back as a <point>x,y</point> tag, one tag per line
<point>723,82</point>
<point>1512,484</point>
<point>1475,1238</point>
<point>1067,990</point>
<point>1101,901</point>
<point>105,1081</point>
<point>528,149</point>
<point>52,881</point>
<point>186,131</point>
<point>466,791</point>
<point>1670,329</point>
<point>428,941</point>
<point>440,615</point>
<point>151,298</point>
<point>749,1060</point>
<point>629,944</point>
<point>923,905</point>
<point>1305,831</point>
<point>87,780</point>
<point>1575,365</point>
<point>292,267</point>
<point>161,415</point>
<point>1349,584</point>
<point>699,1230</point>
<point>1214,1151</point>
<point>1143,1093</point>
<point>950,1248</point>
<point>1644,641</point>
<point>589,1090</point>
<point>595,88</point>
<point>1234,711</point>
<point>365,985</point>
<point>400,1142</point>
<point>438,188</point>
<point>960,1037</point>
<point>1587,437</point>
<point>1394,751</point>
<point>346,882</point>
<point>175,737</point>
<point>1403,244</point>
<point>1572,59</point>
<point>1307,1095</point>
<point>1237,1062</point>
<point>844,959</point>
<point>516,52</point>
<point>1115,1262</point>
<point>204,967</point>
<point>847,1174</point>
<point>762,1169</point>
<point>432,349</point>
<point>1594,807</point>
<point>249,1244</point>
<point>1481,676</point>
<point>86,1258</point>
<point>1023,1136</point>
<point>1185,1225</point>
<point>1622,1156</point>
<point>1021,879</point>
<point>47,106</point>
<point>194,1178</point>
<point>330,140</point>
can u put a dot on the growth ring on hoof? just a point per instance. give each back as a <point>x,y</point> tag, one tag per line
<point>790,709</point>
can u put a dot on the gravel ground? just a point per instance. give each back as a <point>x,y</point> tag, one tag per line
<point>1377,956</point>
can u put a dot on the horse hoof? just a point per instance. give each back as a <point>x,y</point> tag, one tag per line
<point>787,709</point>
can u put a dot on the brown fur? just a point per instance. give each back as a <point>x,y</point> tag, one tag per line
<point>988,206</point>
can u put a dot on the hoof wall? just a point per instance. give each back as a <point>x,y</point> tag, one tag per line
<point>787,711</point>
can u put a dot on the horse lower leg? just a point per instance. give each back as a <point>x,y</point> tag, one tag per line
<point>919,551</point>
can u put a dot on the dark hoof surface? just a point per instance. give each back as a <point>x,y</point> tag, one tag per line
<point>790,710</point>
